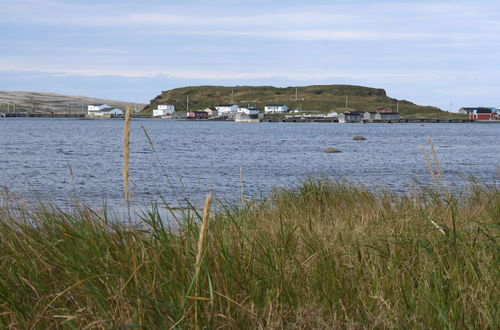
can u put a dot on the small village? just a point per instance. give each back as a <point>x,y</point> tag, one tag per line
<point>271,113</point>
<point>282,113</point>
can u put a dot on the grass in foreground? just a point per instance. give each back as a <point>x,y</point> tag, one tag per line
<point>319,256</point>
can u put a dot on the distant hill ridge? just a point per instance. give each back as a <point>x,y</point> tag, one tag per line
<point>57,103</point>
<point>321,98</point>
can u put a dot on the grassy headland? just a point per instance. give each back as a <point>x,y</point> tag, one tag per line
<point>56,103</point>
<point>322,255</point>
<point>320,98</point>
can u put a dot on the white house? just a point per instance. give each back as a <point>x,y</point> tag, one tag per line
<point>103,110</point>
<point>226,108</point>
<point>332,114</point>
<point>95,108</point>
<point>249,110</point>
<point>275,108</point>
<point>163,110</point>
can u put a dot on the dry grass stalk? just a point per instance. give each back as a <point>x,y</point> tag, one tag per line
<point>126,147</point>
<point>203,231</point>
<point>199,254</point>
<point>436,161</point>
<point>243,200</point>
<point>429,165</point>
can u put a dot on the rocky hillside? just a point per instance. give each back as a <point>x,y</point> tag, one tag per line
<point>57,103</point>
<point>320,98</point>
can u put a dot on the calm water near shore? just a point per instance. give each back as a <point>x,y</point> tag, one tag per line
<point>59,158</point>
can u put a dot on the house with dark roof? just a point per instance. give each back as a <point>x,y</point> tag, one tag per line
<point>350,117</point>
<point>369,115</point>
<point>483,113</point>
<point>390,117</point>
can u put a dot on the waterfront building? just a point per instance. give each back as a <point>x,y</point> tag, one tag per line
<point>226,108</point>
<point>350,117</point>
<point>484,114</point>
<point>94,108</point>
<point>466,110</point>
<point>212,112</point>
<point>103,110</point>
<point>275,108</point>
<point>369,115</point>
<point>197,115</point>
<point>387,116</point>
<point>241,117</point>
<point>249,110</point>
<point>164,110</point>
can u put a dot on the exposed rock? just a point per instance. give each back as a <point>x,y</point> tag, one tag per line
<point>359,138</point>
<point>331,150</point>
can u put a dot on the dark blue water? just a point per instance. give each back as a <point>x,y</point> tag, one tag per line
<point>59,158</point>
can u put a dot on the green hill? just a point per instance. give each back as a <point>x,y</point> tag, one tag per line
<point>319,98</point>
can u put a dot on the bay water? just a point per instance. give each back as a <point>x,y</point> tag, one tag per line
<point>59,159</point>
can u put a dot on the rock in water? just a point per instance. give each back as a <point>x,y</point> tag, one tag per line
<point>359,138</point>
<point>331,150</point>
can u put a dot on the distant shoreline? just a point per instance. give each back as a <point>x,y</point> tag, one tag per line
<point>265,120</point>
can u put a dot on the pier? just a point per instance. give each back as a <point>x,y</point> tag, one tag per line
<point>40,115</point>
<point>335,120</point>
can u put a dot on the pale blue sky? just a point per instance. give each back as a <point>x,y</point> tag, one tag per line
<point>429,52</point>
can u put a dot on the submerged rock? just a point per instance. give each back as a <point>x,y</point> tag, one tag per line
<point>359,138</point>
<point>331,150</point>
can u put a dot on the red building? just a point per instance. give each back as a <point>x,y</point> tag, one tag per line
<point>197,114</point>
<point>483,114</point>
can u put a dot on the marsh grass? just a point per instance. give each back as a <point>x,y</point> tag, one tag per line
<point>322,255</point>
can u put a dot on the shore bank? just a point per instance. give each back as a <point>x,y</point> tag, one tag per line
<point>321,255</point>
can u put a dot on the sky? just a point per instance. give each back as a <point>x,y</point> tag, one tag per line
<point>441,53</point>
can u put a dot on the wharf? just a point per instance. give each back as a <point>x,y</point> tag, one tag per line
<point>400,121</point>
<point>46,115</point>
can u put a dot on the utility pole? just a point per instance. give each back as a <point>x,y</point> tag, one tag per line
<point>346,100</point>
<point>187,103</point>
<point>296,93</point>
<point>232,96</point>
<point>397,107</point>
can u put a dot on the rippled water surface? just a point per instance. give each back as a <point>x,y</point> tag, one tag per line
<point>59,158</point>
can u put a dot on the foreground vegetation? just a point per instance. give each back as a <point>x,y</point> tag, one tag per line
<point>317,98</point>
<point>321,255</point>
